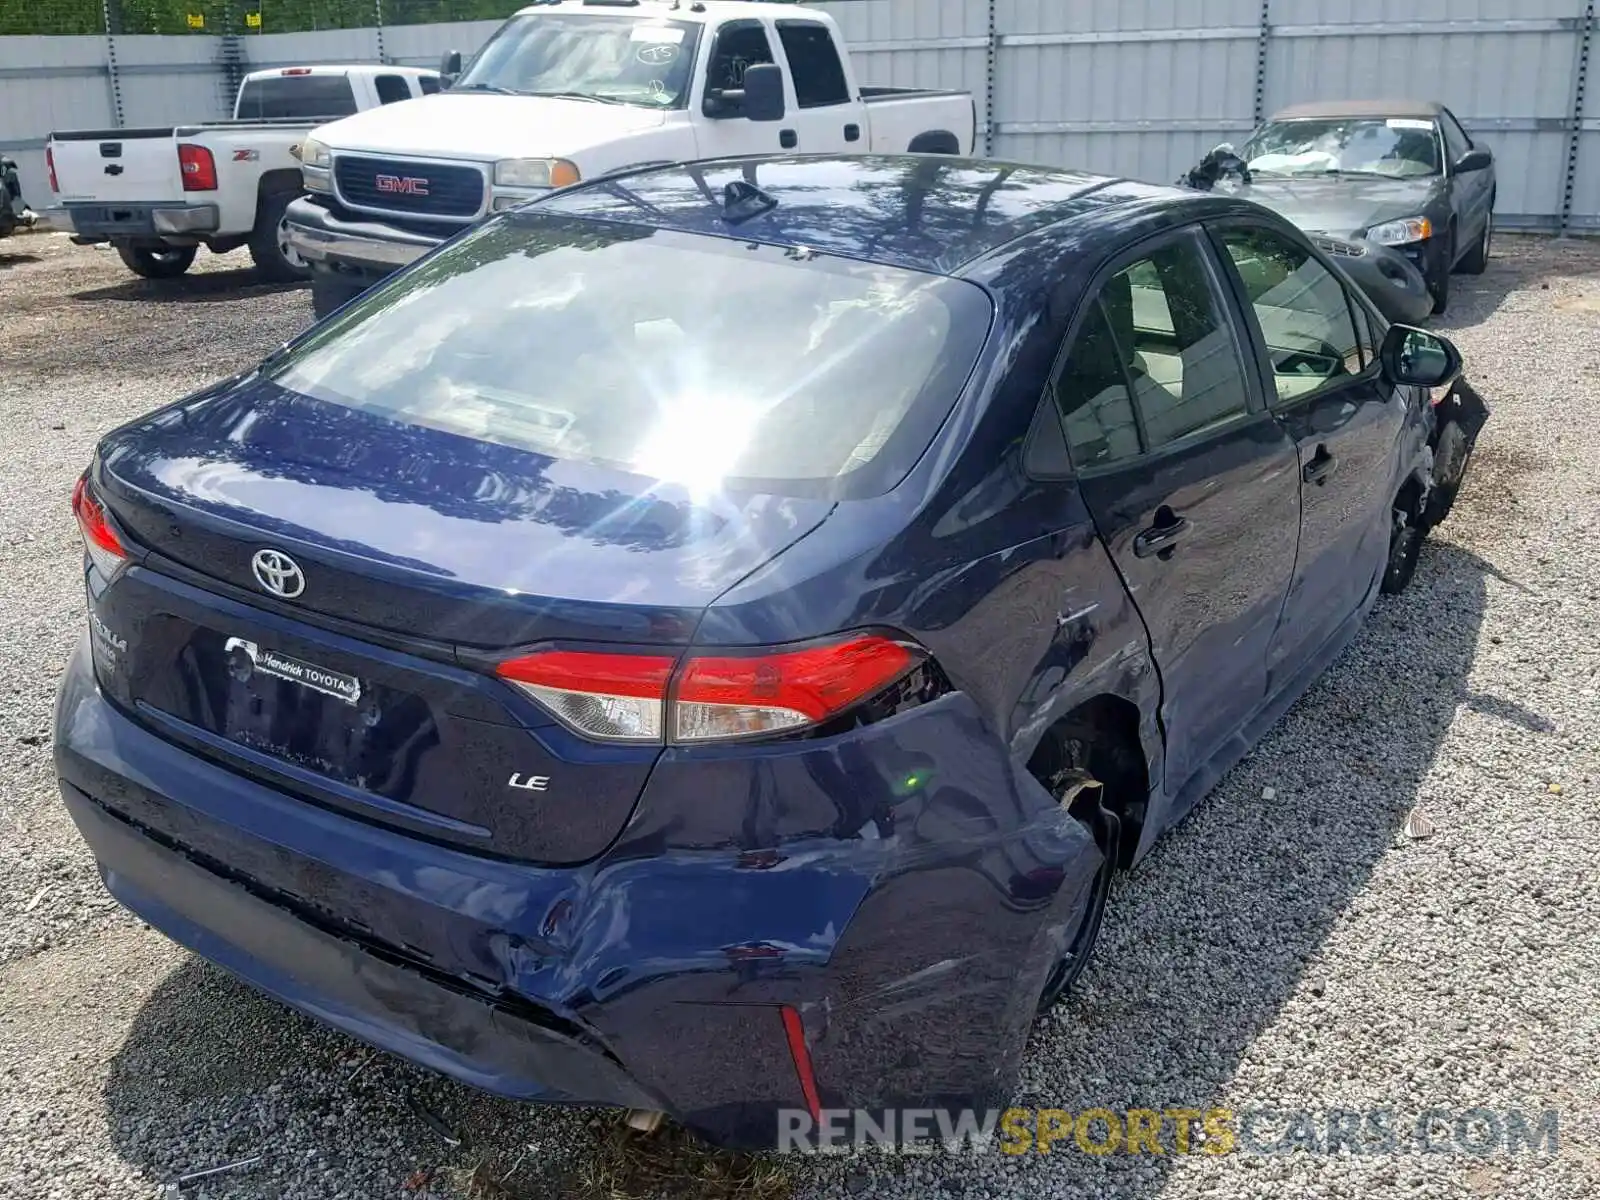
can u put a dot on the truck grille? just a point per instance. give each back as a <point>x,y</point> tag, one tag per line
<point>421,189</point>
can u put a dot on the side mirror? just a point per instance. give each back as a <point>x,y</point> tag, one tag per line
<point>449,67</point>
<point>763,92</point>
<point>1476,159</point>
<point>1417,358</point>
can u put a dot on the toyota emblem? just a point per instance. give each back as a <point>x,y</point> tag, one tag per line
<point>277,573</point>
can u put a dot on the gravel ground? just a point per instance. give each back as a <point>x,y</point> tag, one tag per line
<point>1294,949</point>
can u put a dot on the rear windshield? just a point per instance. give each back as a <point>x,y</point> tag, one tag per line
<point>304,96</point>
<point>698,361</point>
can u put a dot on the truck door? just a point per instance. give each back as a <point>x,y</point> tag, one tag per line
<point>725,130</point>
<point>828,116</point>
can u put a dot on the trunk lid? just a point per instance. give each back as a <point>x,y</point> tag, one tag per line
<point>420,554</point>
<point>130,166</point>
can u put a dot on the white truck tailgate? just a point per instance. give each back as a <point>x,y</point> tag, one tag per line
<point>130,166</point>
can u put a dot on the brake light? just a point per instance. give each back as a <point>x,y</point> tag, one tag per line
<point>199,169</point>
<point>50,165</point>
<point>295,71</point>
<point>709,697</point>
<point>104,548</point>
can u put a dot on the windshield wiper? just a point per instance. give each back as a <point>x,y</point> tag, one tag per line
<point>590,96</point>
<point>488,87</point>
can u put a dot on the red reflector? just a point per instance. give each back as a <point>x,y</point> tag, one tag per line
<point>795,1030</point>
<point>50,165</point>
<point>98,535</point>
<point>816,682</point>
<point>643,677</point>
<point>198,168</point>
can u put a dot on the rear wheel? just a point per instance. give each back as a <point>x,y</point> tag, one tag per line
<point>331,292</point>
<point>167,262</point>
<point>276,260</point>
<point>1085,759</point>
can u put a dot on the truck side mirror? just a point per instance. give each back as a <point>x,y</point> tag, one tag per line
<point>449,67</point>
<point>763,92</point>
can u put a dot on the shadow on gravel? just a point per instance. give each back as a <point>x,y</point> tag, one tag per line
<point>1208,940</point>
<point>204,287</point>
<point>17,260</point>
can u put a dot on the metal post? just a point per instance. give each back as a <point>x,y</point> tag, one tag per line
<point>989,79</point>
<point>1575,135</point>
<point>1263,39</point>
<point>111,10</point>
<point>377,13</point>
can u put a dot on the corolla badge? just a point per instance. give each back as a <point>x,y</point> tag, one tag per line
<point>277,573</point>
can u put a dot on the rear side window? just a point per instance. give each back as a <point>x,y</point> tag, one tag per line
<point>636,349</point>
<point>391,89</point>
<point>814,62</point>
<point>1303,311</point>
<point>429,84</point>
<point>276,97</point>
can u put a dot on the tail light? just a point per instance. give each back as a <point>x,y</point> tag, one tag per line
<point>711,697</point>
<point>50,165</point>
<point>198,167</point>
<point>104,548</point>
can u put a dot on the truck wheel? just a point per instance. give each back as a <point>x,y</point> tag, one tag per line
<point>329,293</point>
<point>276,261</point>
<point>166,263</point>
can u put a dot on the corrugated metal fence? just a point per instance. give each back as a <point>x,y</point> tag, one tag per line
<point>1134,87</point>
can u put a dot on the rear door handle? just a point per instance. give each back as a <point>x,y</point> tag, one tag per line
<point>1321,468</point>
<point>1161,539</point>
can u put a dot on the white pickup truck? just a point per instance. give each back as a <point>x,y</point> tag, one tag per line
<point>159,194</point>
<point>567,90</point>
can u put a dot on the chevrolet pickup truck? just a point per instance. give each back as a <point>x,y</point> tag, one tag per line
<point>158,195</point>
<point>569,90</point>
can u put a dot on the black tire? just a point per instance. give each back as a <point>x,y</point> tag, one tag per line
<point>1086,757</point>
<point>1405,548</point>
<point>1439,278</point>
<point>329,293</point>
<point>166,263</point>
<point>1476,261</point>
<point>1450,461</point>
<point>276,261</point>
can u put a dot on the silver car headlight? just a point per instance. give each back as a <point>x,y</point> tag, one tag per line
<point>314,154</point>
<point>535,173</point>
<point>1401,233</point>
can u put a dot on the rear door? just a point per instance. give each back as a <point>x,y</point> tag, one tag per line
<point>1193,486</point>
<point>1316,342</point>
<point>827,116</point>
<point>117,166</point>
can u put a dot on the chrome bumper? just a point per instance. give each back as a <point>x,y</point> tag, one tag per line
<point>367,246</point>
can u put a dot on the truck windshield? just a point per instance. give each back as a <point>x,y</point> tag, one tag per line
<point>1398,148</point>
<point>626,60</point>
<point>635,349</point>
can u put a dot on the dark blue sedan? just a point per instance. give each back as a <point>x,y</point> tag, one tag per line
<point>702,642</point>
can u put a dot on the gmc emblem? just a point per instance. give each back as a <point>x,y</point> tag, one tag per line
<point>402,185</point>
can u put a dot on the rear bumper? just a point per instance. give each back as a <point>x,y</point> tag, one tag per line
<point>137,222</point>
<point>913,946</point>
<point>368,248</point>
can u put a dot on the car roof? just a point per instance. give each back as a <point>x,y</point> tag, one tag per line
<point>1423,110</point>
<point>932,213</point>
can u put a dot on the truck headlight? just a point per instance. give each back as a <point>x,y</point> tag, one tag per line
<point>535,173</point>
<point>314,154</point>
<point>1401,233</point>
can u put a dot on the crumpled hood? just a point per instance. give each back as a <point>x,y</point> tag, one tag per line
<point>485,127</point>
<point>1341,206</point>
